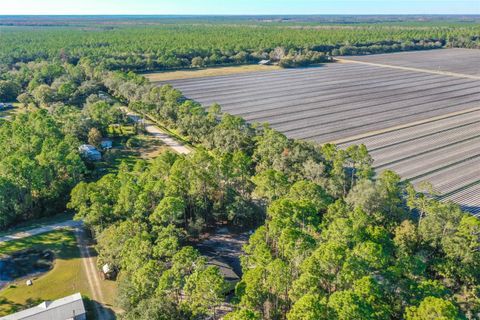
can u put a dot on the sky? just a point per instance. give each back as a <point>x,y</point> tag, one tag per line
<point>238,7</point>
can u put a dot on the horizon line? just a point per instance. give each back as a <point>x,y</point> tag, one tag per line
<point>238,14</point>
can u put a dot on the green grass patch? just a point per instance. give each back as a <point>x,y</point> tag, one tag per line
<point>119,130</point>
<point>66,277</point>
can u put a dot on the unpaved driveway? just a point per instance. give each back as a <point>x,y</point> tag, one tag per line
<point>155,131</point>
<point>39,230</point>
<point>93,275</point>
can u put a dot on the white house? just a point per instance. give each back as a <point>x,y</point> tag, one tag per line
<point>67,308</point>
<point>90,152</point>
<point>264,62</point>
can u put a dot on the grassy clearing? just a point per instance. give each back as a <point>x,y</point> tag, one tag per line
<point>150,147</point>
<point>207,72</point>
<point>8,114</point>
<point>66,277</point>
<point>128,150</point>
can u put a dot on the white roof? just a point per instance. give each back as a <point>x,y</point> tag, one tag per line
<point>61,309</point>
<point>88,147</point>
<point>106,268</point>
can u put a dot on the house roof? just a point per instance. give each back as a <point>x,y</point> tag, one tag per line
<point>88,147</point>
<point>61,309</point>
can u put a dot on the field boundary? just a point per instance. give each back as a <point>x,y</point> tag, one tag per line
<point>443,73</point>
<point>403,126</point>
<point>214,71</point>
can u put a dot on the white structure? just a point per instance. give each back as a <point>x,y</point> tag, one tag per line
<point>264,62</point>
<point>90,152</point>
<point>68,308</point>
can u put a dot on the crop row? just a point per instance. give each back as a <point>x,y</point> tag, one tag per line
<point>430,122</point>
<point>465,61</point>
<point>336,100</point>
<point>443,152</point>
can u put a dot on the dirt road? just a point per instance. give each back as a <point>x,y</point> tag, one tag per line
<point>93,275</point>
<point>155,131</point>
<point>39,230</point>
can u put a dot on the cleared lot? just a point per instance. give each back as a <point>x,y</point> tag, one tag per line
<point>423,124</point>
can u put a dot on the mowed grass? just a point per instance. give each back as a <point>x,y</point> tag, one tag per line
<point>66,277</point>
<point>206,72</point>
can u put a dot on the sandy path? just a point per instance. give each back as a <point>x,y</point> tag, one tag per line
<point>155,131</point>
<point>39,230</point>
<point>93,275</point>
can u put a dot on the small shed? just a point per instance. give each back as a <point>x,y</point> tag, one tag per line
<point>90,152</point>
<point>108,272</point>
<point>106,144</point>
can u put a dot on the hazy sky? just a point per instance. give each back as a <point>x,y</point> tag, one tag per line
<point>239,7</point>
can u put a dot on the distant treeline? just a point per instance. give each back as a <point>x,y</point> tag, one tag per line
<point>133,44</point>
<point>336,243</point>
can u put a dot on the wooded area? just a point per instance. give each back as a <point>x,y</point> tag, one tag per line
<point>156,44</point>
<point>330,241</point>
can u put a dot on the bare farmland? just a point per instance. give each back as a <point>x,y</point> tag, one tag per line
<point>461,61</point>
<point>424,125</point>
<point>445,153</point>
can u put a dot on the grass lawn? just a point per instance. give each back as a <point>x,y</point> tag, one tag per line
<point>66,277</point>
<point>207,72</point>
<point>145,147</point>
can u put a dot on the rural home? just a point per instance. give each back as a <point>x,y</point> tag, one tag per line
<point>90,152</point>
<point>67,308</point>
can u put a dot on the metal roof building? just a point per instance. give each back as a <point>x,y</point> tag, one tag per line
<point>67,308</point>
<point>90,152</point>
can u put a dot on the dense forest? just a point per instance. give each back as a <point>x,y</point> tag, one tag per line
<point>332,240</point>
<point>154,44</point>
<point>336,243</point>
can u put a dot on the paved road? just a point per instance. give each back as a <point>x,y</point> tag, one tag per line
<point>39,230</point>
<point>155,131</point>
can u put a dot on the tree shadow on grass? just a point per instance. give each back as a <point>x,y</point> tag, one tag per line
<point>91,306</point>
<point>9,306</point>
<point>61,242</point>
